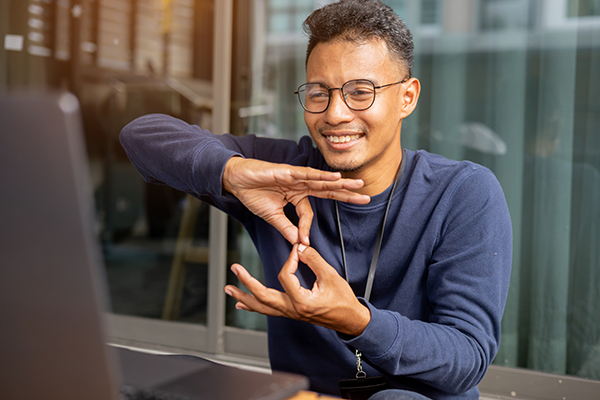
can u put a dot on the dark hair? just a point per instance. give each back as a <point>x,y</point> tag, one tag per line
<point>358,21</point>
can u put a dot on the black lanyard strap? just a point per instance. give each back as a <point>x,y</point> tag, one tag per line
<point>377,249</point>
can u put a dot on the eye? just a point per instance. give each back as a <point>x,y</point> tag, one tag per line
<point>359,90</point>
<point>317,93</point>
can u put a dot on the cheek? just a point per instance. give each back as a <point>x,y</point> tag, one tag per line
<point>311,121</point>
<point>385,117</point>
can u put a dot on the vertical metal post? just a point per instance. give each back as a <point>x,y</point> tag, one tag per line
<point>76,14</point>
<point>132,34</point>
<point>217,264</point>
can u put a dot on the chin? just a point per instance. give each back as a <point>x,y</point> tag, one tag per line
<point>344,167</point>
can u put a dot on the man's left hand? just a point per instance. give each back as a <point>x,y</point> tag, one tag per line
<point>330,302</point>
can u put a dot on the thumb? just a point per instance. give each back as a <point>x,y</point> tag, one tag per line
<point>314,261</point>
<point>289,281</point>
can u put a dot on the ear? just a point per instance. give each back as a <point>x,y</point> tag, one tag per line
<point>410,96</point>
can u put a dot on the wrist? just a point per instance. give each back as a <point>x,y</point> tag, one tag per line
<point>229,172</point>
<point>359,322</point>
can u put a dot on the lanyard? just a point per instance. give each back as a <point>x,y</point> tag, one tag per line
<point>377,249</point>
<point>360,374</point>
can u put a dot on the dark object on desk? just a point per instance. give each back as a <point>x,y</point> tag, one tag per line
<point>362,388</point>
<point>52,288</point>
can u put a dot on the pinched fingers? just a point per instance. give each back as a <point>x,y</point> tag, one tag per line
<point>300,298</point>
<point>308,301</point>
<point>317,264</point>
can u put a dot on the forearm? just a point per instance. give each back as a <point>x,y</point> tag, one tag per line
<point>438,355</point>
<point>169,151</point>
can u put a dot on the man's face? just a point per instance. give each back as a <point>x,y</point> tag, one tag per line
<point>365,141</point>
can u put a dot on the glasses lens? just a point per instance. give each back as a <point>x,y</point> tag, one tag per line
<point>314,97</point>
<point>359,94</point>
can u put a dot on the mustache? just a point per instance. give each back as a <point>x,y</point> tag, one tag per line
<point>338,128</point>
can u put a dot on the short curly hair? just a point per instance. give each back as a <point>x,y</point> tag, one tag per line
<point>358,21</point>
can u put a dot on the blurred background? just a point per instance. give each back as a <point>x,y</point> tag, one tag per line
<point>510,84</point>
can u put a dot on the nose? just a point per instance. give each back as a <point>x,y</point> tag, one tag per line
<point>338,111</point>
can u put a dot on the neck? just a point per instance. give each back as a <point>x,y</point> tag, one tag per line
<point>376,178</point>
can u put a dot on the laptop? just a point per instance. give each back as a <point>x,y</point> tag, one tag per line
<point>52,285</point>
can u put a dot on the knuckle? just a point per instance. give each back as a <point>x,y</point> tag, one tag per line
<point>261,295</point>
<point>304,310</point>
<point>280,275</point>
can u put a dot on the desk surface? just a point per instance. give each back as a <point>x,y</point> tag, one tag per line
<point>304,395</point>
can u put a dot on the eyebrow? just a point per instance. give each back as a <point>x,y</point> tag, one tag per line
<point>374,81</point>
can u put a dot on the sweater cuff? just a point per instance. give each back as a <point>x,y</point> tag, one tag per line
<point>381,334</point>
<point>209,165</point>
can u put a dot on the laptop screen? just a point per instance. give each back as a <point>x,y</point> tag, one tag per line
<point>52,287</point>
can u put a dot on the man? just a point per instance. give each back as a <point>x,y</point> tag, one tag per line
<point>393,260</point>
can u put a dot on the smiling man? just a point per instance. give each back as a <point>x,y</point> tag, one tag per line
<point>386,270</point>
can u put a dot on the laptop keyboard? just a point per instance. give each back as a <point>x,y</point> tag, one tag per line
<point>132,393</point>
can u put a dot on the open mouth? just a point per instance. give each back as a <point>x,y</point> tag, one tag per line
<point>343,139</point>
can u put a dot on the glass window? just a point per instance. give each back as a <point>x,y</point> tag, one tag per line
<point>430,12</point>
<point>511,88</point>
<point>583,8</point>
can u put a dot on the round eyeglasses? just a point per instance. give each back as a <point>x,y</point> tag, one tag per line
<point>358,94</point>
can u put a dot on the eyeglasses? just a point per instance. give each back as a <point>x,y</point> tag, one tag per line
<point>358,94</point>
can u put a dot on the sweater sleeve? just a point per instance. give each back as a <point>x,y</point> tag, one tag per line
<point>169,151</point>
<point>467,284</point>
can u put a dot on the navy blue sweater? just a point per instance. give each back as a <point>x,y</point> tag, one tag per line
<point>442,276</point>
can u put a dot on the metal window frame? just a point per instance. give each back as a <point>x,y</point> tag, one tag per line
<point>215,340</point>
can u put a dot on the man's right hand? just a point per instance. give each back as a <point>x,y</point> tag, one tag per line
<point>265,188</point>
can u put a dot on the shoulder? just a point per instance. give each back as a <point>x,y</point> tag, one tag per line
<point>455,186</point>
<point>439,170</point>
<point>438,164</point>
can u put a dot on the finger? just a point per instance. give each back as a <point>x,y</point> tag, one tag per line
<point>233,292</point>
<point>251,283</point>
<point>284,226</point>
<point>305,214</point>
<point>348,184</point>
<point>341,195</point>
<point>242,306</point>
<point>287,276</point>
<point>342,190</point>
<point>313,174</point>
<point>316,263</point>
<point>248,302</point>
<point>262,299</point>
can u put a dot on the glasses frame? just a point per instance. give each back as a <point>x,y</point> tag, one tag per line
<point>341,89</point>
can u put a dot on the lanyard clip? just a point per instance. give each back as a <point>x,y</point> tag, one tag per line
<point>360,373</point>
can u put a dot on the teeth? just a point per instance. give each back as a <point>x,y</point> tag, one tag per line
<point>342,139</point>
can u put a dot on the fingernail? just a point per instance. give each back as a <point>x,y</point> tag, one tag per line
<point>301,248</point>
<point>306,240</point>
<point>234,270</point>
<point>228,292</point>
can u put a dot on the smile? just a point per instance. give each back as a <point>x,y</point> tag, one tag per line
<point>342,139</point>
